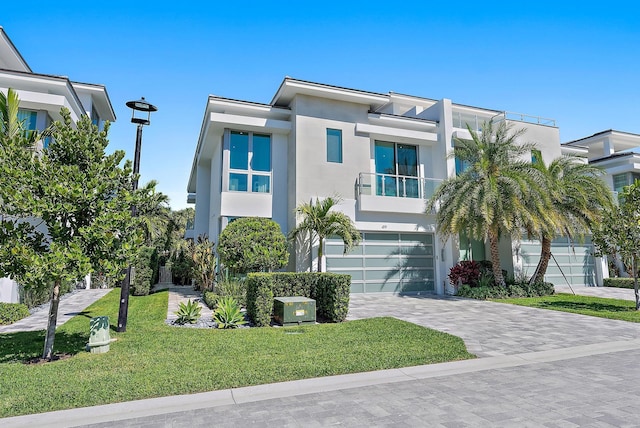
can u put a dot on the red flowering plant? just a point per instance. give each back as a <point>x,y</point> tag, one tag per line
<point>465,272</point>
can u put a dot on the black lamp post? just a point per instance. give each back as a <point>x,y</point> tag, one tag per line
<point>144,107</point>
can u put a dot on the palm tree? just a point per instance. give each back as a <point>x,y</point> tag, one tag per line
<point>498,193</point>
<point>10,125</point>
<point>154,215</point>
<point>318,219</point>
<point>577,198</point>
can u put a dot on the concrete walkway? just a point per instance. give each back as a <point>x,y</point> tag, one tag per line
<point>181,294</point>
<point>69,307</point>
<point>608,292</point>
<point>536,368</point>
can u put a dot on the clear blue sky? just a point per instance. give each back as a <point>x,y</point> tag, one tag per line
<point>576,62</point>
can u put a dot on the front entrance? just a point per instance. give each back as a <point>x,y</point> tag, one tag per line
<point>386,262</point>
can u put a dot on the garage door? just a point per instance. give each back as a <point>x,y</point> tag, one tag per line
<point>575,261</point>
<point>386,262</point>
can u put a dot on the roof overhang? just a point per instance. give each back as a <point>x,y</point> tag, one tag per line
<point>100,99</point>
<point>292,87</point>
<point>10,57</point>
<point>618,139</point>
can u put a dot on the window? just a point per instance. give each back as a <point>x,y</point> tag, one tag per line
<point>396,165</point>
<point>28,119</point>
<point>249,162</point>
<point>334,145</point>
<point>619,181</point>
<point>536,156</point>
<point>95,118</point>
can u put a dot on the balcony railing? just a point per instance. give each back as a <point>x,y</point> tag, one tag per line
<point>527,118</point>
<point>399,186</point>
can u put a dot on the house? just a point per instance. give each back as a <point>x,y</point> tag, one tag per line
<point>383,154</point>
<point>41,98</point>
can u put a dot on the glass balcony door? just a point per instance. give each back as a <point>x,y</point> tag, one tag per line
<point>396,170</point>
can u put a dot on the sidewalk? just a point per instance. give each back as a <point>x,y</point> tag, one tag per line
<point>608,292</point>
<point>181,294</point>
<point>69,307</point>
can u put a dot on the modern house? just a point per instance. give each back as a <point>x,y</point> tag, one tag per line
<point>383,154</point>
<point>41,98</point>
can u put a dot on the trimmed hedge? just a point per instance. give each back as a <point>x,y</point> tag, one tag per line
<point>12,312</point>
<point>618,282</point>
<point>511,290</point>
<point>329,290</point>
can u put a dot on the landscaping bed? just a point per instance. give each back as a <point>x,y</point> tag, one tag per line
<point>152,359</point>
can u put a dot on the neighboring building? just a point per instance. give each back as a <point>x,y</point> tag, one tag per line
<point>41,98</point>
<point>612,151</point>
<point>383,154</point>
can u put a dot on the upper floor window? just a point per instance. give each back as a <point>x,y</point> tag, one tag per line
<point>28,118</point>
<point>95,118</point>
<point>396,165</point>
<point>249,162</point>
<point>536,156</point>
<point>334,145</point>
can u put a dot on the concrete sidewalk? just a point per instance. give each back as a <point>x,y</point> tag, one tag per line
<point>181,294</point>
<point>69,307</point>
<point>607,292</point>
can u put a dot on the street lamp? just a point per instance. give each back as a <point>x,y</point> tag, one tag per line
<point>141,106</point>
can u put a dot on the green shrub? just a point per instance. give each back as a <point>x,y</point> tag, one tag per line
<point>520,289</point>
<point>235,288</point>
<point>329,290</point>
<point>253,244</point>
<point>618,282</point>
<point>181,268</point>
<point>228,314</point>
<point>188,313</point>
<point>210,299</point>
<point>33,297</point>
<point>12,312</point>
<point>145,267</point>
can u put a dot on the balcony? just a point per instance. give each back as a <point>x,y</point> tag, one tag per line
<point>394,193</point>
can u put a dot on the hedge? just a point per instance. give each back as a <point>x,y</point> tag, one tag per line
<point>12,312</point>
<point>509,291</point>
<point>329,290</point>
<point>618,282</point>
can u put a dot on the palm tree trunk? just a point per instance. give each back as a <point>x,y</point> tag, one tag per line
<point>543,264</point>
<point>320,251</point>
<point>52,321</point>
<point>495,258</point>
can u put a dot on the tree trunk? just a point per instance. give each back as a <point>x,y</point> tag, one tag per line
<point>545,256</point>
<point>635,282</point>
<point>52,321</point>
<point>320,251</point>
<point>495,258</point>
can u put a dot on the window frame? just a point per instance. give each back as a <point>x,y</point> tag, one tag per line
<point>250,173</point>
<point>339,143</point>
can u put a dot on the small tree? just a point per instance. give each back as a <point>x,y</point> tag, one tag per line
<point>253,244</point>
<point>619,232</point>
<point>66,210</point>
<point>320,221</point>
<point>204,263</point>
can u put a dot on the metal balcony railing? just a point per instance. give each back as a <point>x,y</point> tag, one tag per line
<point>399,186</point>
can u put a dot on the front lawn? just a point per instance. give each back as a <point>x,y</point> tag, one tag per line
<point>595,306</point>
<point>152,359</point>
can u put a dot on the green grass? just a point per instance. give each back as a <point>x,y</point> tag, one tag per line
<point>152,359</point>
<point>595,306</point>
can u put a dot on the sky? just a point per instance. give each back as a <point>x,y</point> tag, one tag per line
<point>575,62</point>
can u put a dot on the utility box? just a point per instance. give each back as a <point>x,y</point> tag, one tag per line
<point>294,310</point>
<point>99,338</point>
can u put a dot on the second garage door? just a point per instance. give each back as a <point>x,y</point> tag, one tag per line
<point>386,262</point>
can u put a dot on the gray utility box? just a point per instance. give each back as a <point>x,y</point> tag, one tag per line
<point>294,310</point>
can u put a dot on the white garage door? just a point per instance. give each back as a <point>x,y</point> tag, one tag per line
<point>575,261</point>
<point>386,262</point>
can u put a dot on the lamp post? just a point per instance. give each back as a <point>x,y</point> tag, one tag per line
<point>141,106</point>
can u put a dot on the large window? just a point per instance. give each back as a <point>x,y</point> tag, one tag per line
<point>396,170</point>
<point>334,145</point>
<point>249,162</point>
<point>28,119</point>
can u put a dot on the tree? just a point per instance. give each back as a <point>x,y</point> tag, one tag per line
<point>204,263</point>
<point>619,232</point>
<point>66,210</point>
<point>154,215</point>
<point>577,199</point>
<point>319,221</point>
<point>253,244</point>
<point>496,194</point>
